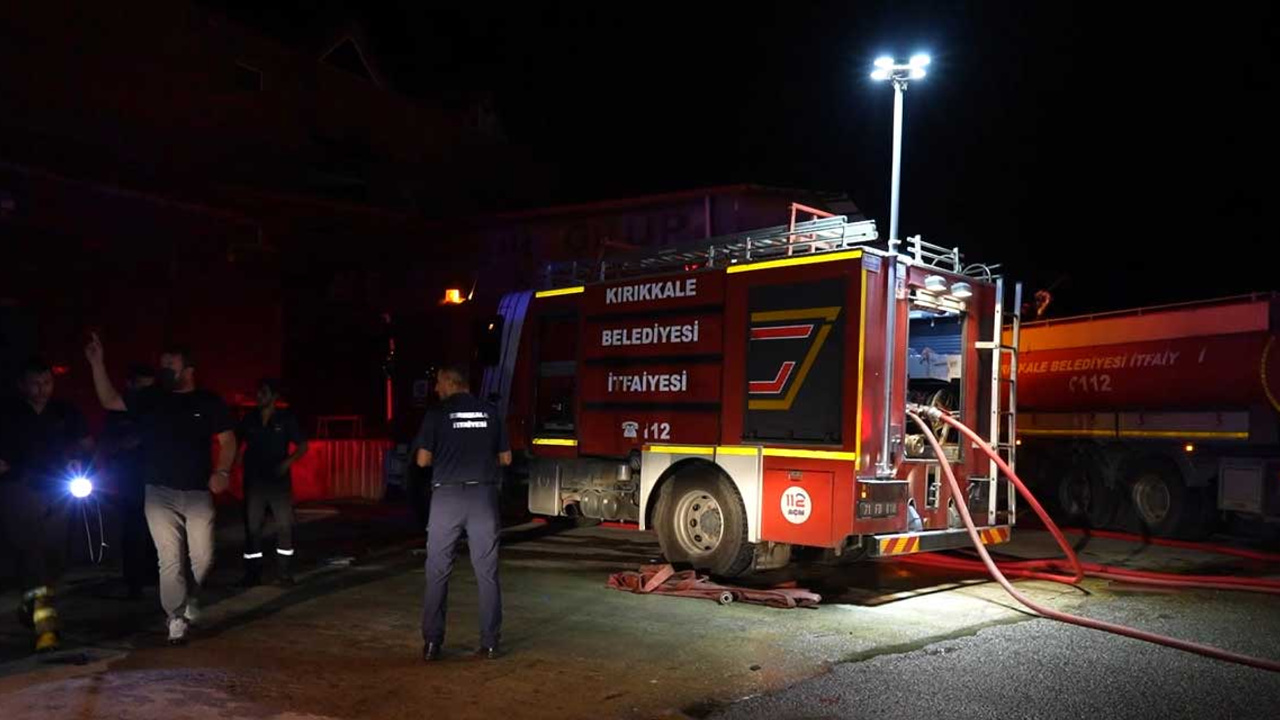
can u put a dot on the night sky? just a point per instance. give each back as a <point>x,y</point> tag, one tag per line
<point>1120,156</point>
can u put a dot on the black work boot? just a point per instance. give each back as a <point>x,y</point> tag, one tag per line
<point>488,652</point>
<point>252,573</point>
<point>286,575</point>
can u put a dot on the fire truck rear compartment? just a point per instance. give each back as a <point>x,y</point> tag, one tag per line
<point>762,394</point>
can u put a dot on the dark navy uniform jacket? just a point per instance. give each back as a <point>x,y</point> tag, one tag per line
<point>268,444</point>
<point>464,436</point>
<point>37,445</point>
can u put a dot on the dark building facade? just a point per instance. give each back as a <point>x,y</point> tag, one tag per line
<point>168,175</point>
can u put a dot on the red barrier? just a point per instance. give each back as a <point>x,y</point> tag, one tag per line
<point>334,469</point>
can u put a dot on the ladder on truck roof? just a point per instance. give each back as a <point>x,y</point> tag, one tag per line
<point>824,235</point>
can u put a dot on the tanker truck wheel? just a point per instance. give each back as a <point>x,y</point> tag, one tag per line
<point>701,520</point>
<point>1163,505</point>
<point>1083,497</point>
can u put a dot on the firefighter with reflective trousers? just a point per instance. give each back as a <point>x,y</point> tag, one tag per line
<point>268,431</point>
<point>465,443</point>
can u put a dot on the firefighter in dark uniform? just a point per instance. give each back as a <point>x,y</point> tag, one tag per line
<point>268,431</point>
<point>44,444</point>
<point>464,442</point>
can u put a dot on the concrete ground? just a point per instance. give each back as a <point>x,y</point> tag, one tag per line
<point>889,640</point>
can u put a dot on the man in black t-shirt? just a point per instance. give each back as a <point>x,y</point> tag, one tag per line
<point>269,431</point>
<point>176,422</point>
<point>44,444</point>
<point>465,443</point>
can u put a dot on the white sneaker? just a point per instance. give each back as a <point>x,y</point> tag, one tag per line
<point>177,630</point>
<point>192,612</point>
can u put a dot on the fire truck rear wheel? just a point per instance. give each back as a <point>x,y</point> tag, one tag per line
<point>701,521</point>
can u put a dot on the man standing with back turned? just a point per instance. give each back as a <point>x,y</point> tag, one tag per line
<point>465,443</point>
<point>176,422</point>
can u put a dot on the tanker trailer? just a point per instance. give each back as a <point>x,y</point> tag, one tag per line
<point>1160,420</point>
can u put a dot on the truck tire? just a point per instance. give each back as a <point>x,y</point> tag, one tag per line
<point>1163,505</point>
<point>1083,498</point>
<point>701,521</point>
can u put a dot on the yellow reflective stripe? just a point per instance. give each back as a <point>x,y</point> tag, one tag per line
<point>993,536</point>
<point>682,449</point>
<point>820,313</point>
<point>899,545</point>
<point>559,291</point>
<point>811,454</point>
<point>737,450</point>
<point>895,545</point>
<point>751,450</point>
<point>44,614</point>
<point>562,442</point>
<point>1169,434</point>
<point>1052,433</point>
<point>1186,434</point>
<point>801,260</point>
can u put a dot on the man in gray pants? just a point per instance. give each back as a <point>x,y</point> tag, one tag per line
<point>176,422</point>
<point>463,439</point>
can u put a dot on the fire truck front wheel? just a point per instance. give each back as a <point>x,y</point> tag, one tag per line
<point>701,521</point>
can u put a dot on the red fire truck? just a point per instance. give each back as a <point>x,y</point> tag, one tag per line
<point>1155,419</point>
<point>746,395</point>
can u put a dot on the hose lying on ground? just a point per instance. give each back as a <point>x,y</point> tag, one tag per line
<point>915,412</point>
<point>1246,553</point>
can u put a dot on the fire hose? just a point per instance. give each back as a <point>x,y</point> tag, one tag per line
<point>1033,568</point>
<point>1245,553</point>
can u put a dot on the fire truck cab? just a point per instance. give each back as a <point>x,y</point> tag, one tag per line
<point>747,395</point>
